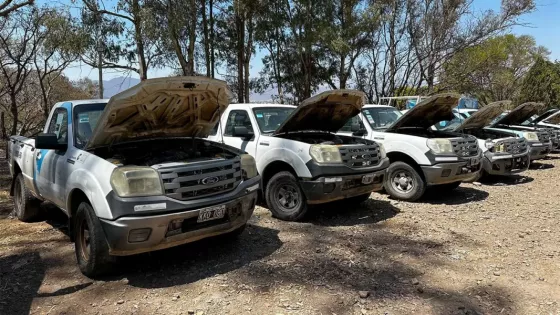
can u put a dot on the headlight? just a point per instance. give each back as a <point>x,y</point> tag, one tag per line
<point>440,146</point>
<point>500,148</point>
<point>531,136</point>
<point>136,181</point>
<point>248,166</point>
<point>323,153</point>
<point>382,151</point>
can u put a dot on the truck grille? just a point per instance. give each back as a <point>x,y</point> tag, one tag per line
<point>544,135</point>
<point>360,155</point>
<point>465,146</point>
<point>201,179</point>
<point>515,146</point>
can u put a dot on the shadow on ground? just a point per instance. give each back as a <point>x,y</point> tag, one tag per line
<point>540,166</point>
<point>459,196</point>
<point>511,180</point>
<point>341,213</point>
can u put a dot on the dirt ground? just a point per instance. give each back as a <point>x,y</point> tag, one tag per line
<point>490,248</point>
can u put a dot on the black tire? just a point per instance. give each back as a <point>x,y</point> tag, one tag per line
<point>357,199</point>
<point>409,187</point>
<point>26,206</point>
<point>448,187</point>
<point>285,198</point>
<point>92,250</point>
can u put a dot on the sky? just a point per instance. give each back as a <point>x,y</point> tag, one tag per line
<point>543,24</point>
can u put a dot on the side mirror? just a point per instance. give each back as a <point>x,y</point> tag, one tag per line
<point>242,132</point>
<point>49,141</point>
<point>357,130</point>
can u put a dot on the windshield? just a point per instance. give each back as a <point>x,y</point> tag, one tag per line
<point>381,117</point>
<point>85,119</point>
<point>530,120</point>
<point>270,118</point>
<point>502,115</point>
<point>452,124</point>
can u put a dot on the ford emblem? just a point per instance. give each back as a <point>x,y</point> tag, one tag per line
<point>209,180</point>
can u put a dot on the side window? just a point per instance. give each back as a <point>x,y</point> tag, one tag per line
<point>348,125</point>
<point>237,118</point>
<point>59,125</point>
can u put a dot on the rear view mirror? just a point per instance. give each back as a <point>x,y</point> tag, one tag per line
<point>49,141</point>
<point>242,132</point>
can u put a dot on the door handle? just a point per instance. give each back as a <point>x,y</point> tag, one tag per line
<point>39,155</point>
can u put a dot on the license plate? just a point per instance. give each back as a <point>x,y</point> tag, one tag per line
<point>367,179</point>
<point>212,213</point>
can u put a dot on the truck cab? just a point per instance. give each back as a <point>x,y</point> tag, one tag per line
<point>301,159</point>
<point>420,156</point>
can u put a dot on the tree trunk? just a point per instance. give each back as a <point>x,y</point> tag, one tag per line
<point>3,126</point>
<point>14,111</point>
<point>142,66</point>
<point>240,27</point>
<point>248,53</point>
<point>192,36</point>
<point>206,38</point>
<point>212,60</point>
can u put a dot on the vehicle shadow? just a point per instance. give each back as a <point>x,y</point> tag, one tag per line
<point>540,166</point>
<point>459,196</point>
<point>196,261</point>
<point>340,213</point>
<point>21,276</point>
<point>510,180</point>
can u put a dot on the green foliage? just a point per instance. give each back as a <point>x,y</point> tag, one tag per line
<point>542,83</point>
<point>494,69</point>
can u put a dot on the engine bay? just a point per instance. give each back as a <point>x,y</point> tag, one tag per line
<point>429,133</point>
<point>489,134</point>
<point>161,151</point>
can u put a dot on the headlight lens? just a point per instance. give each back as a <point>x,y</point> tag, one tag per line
<point>500,148</point>
<point>382,151</point>
<point>322,153</point>
<point>531,136</point>
<point>248,166</point>
<point>135,181</point>
<point>440,146</point>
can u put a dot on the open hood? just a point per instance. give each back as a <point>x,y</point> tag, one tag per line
<point>484,116</point>
<point>520,114</point>
<point>546,115</point>
<point>328,111</point>
<point>428,112</point>
<point>163,107</point>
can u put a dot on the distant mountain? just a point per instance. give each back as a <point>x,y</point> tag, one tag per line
<point>118,84</point>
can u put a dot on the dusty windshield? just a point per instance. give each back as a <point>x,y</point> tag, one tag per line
<point>85,120</point>
<point>270,118</point>
<point>381,117</point>
<point>452,124</point>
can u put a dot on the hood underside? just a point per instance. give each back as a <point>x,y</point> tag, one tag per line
<point>163,107</point>
<point>484,116</point>
<point>428,112</point>
<point>328,111</point>
<point>520,114</point>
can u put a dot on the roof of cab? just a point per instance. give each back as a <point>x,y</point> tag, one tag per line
<point>257,105</point>
<point>81,102</point>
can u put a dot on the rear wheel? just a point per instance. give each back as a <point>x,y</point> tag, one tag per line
<point>403,182</point>
<point>92,250</point>
<point>285,198</point>
<point>26,206</point>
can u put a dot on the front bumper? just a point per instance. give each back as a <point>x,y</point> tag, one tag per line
<point>327,189</point>
<point>238,211</point>
<point>539,150</point>
<point>495,164</point>
<point>447,173</point>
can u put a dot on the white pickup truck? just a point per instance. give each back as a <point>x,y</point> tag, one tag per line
<point>301,159</point>
<point>420,156</point>
<point>143,179</point>
<point>504,152</point>
<point>540,139</point>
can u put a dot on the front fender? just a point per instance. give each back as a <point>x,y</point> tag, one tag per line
<point>95,191</point>
<point>285,155</point>
<point>417,154</point>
